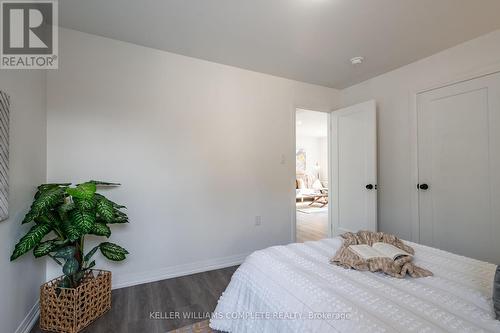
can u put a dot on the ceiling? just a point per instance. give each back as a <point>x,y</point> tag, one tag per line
<point>305,40</point>
<point>311,124</point>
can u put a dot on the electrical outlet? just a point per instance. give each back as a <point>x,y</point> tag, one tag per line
<point>258,220</point>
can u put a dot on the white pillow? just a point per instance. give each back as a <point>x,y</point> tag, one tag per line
<point>317,185</point>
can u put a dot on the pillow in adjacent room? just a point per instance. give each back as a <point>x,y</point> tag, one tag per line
<point>496,293</point>
<point>317,185</point>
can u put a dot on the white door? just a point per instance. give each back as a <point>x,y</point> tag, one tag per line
<point>354,168</point>
<point>459,168</point>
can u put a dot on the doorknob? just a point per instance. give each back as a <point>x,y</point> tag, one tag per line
<point>423,186</point>
<point>370,187</point>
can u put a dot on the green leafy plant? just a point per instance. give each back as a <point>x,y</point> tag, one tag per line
<point>69,213</point>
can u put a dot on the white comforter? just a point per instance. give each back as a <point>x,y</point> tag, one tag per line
<point>293,288</point>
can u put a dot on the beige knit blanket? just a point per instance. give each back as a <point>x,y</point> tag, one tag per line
<point>396,268</point>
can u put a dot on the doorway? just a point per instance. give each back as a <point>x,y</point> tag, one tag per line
<point>311,175</point>
<point>336,171</point>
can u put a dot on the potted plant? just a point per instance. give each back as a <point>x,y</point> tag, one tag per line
<point>63,215</point>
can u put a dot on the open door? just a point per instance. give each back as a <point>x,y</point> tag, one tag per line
<point>354,168</point>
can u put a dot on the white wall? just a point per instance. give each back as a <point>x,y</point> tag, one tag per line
<point>323,160</point>
<point>196,145</point>
<point>394,93</point>
<point>316,152</point>
<point>20,280</point>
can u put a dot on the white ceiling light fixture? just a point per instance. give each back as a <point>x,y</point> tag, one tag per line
<point>357,60</point>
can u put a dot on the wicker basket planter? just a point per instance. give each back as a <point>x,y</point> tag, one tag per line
<point>70,310</point>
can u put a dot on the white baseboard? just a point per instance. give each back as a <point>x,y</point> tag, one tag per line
<point>30,319</point>
<point>128,280</point>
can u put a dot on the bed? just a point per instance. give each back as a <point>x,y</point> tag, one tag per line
<point>294,288</point>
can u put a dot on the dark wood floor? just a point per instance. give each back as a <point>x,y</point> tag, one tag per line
<point>131,310</point>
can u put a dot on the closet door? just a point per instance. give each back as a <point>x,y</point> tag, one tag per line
<point>459,168</point>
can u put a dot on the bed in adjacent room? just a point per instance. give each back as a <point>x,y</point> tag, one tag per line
<point>294,288</point>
